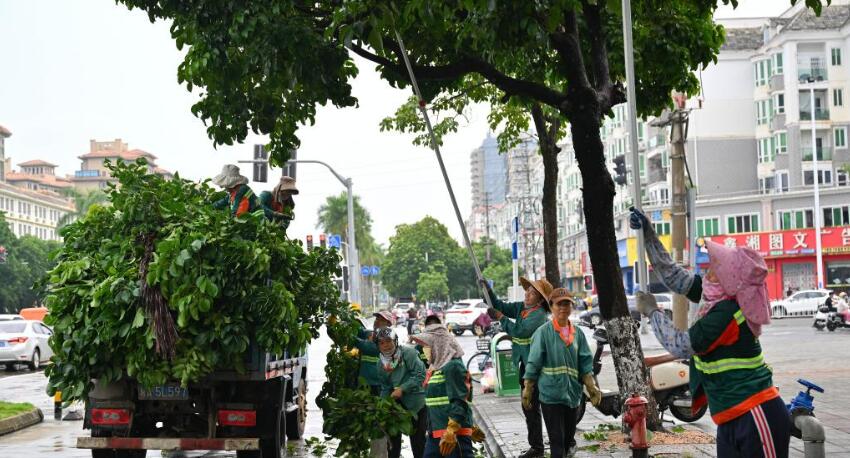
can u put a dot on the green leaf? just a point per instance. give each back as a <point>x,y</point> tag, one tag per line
<point>139,320</point>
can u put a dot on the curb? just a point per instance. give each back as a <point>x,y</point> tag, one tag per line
<point>491,441</point>
<point>21,421</point>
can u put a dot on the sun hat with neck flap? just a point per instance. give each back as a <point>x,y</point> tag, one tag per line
<point>542,286</point>
<point>229,177</point>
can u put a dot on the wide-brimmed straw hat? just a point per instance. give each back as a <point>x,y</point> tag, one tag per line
<point>229,177</point>
<point>542,286</point>
<point>285,184</point>
<point>561,295</point>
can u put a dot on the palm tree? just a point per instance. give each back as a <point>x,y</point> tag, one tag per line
<point>333,219</point>
<point>82,202</point>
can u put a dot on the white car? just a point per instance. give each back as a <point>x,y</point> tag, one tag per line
<point>461,314</point>
<point>5,317</point>
<point>801,303</point>
<point>24,342</point>
<point>400,312</point>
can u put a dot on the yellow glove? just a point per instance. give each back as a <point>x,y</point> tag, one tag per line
<point>477,434</point>
<point>354,352</point>
<point>449,440</point>
<point>332,319</point>
<point>592,390</point>
<point>527,394</point>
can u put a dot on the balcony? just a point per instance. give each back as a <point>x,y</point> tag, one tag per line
<point>820,115</point>
<point>86,173</point>
<point>824,153</point>
<point>812,73</point>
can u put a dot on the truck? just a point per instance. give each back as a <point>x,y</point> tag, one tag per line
<point>251,411</point>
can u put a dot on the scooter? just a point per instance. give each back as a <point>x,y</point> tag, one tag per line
<point>669,379</point>
<point>830,319</point>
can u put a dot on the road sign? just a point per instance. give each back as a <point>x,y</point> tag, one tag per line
<point>335,241</point>
<point>365,270</point>
<point>375,270</point>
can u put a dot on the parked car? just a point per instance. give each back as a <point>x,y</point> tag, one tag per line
<point>801,303</point>
<point>10,317</point>
<point>24,342</point>
<point>664,300</point>
<point>462,314</point>
<point>400,312</point>
<point>594,316</point>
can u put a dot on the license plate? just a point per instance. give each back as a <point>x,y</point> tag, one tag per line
<point>170,392</point>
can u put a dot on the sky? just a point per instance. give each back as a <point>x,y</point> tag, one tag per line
<point>75,70</point>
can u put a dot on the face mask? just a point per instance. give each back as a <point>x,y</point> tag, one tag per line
<point>712,291</point>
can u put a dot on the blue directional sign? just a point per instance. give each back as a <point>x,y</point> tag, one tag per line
<point>375,270</point>
<point>335,241</point>
<point>365,271</point>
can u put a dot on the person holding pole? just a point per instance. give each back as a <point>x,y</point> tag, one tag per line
<point>728,370</point>
<point>526,316</point>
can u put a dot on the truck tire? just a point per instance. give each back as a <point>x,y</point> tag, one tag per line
<point>270,446</point>
<point>297,420</point>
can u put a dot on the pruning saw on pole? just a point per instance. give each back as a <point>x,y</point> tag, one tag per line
<point>436,147</point>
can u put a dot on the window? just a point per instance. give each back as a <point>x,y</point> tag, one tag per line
<point>842,178</point>
<point>836,56</point>
<point>779,103</point>
<point>642,162</point>
<point>795,219</point>
<point>766,185</point>
<point>706,227</point>
<point>762,70</point>
<point>837,97</point>
<point>824,177</point>
<point>836,216</point>
<point>764,111</point>
<point>662,228</point>
<point>780,142</point>
<point>742,223</point>
<point>777,63</point>
<point>766,152</point>
<point>839,137</point>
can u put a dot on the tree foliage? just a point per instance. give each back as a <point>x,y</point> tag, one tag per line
<point>333,219</point>
<point>82,202</point>
<point>28,258</point>
<point>227,283</point>
<point>433,285</point>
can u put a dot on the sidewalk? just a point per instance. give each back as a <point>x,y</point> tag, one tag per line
<point>504,424</point>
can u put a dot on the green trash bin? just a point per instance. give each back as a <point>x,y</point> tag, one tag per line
<point>507,381</point>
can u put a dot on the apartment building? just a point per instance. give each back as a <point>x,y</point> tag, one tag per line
<point>38,175</point>
<point>93,174</point>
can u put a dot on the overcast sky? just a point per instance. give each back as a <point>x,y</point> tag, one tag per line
<point>74,70</point>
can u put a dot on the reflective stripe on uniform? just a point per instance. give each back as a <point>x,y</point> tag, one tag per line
<point>728,364</point>
<point>436,377</point>
<point>521,341</point>
<point>561,370</point>
<point>739,316</point>
<point>369,359</point>
<point>439,401</point>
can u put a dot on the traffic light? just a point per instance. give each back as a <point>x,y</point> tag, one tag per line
<point>620,169</point>
<point>323,241</point>
<point>2,254</point>
<point>309,242</point>
<point>261,169</point>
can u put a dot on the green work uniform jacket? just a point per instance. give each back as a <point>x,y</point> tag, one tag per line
<point>728,369</point>
<point>274,211</point>
<point>448,394</point>
<point>409,375</point>
<point>239,202</point>
<point>557,368</point>
<point>521,328</point>
<point>368,358</point>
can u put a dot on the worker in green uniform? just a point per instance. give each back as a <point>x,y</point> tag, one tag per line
<point>278,205</point>
<point>402,373</point>
<point>560,362</point>
<point>728,368</point>
<point>520,320</point>
<point>448,394</point>
<point>240,198</point>
<point>369,355</point>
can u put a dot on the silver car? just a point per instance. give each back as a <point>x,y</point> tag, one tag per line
<point>24,342</point>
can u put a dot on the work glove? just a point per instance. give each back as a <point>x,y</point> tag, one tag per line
<point>646,303</point>
<point>527,394</point>
<point>354,352</point>
<point>592,390</point>
<point>449,440</point>
<point>485,286</point>
<point>637,220</point>
<point>494,314</point>
<point>477,434</point>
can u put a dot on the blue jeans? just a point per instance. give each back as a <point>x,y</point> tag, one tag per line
<point>463,450</point>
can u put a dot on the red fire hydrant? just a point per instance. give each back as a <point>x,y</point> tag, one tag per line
<point>635,417</point>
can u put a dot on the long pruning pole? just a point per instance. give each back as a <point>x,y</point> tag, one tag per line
<point>436,147</point>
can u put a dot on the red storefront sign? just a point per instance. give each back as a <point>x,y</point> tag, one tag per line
<point>793,242</point>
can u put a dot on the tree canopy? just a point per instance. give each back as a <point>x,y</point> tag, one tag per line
<point>27,260</point>
<point>432,285</point>
<point>333,219</point>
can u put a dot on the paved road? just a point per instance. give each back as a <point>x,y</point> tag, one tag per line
<point>791,346</point>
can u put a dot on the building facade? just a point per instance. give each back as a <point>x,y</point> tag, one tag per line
<point>93,173</point>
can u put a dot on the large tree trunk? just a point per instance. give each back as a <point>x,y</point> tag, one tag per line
<point>547,134</point>
<point>598,195</point>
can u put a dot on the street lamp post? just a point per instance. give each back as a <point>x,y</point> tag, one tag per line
<point>353,258</point>
<point>816,179</point>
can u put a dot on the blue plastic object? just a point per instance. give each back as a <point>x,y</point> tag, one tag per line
<point>804,400</point>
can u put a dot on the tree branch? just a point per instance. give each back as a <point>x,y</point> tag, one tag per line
<point>566,42</point>
<point>598,50</point>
